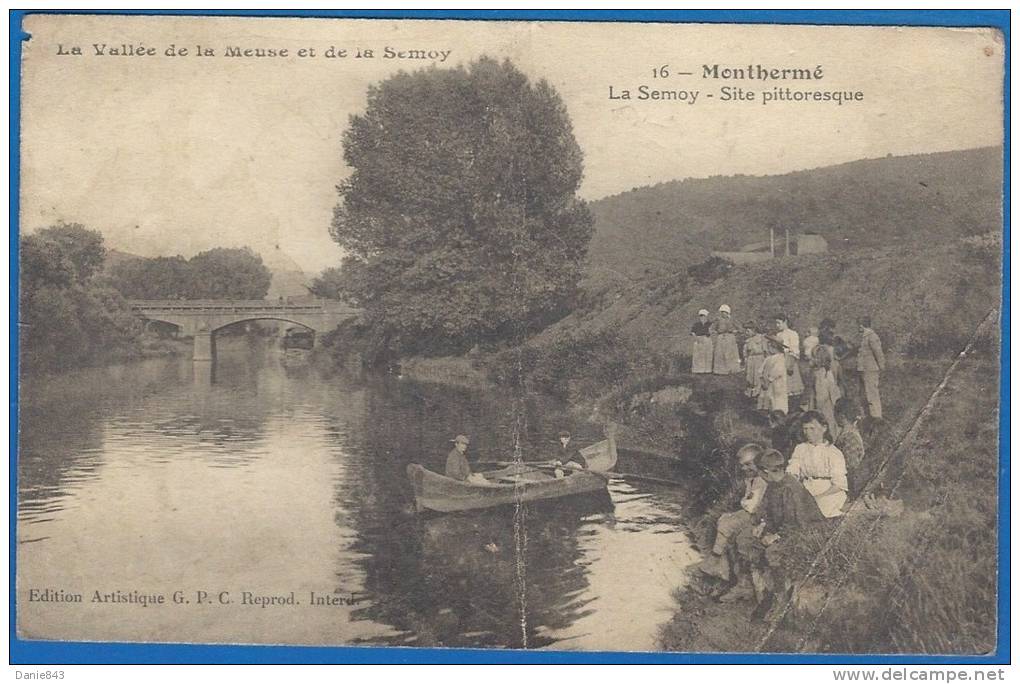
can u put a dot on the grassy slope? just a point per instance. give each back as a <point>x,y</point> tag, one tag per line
<point>923,302</point>
<point>914,200</point>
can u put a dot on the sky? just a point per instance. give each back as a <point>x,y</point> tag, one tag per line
<point>174,155</point>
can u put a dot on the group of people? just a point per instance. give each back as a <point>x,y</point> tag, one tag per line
<point>808,475</point>
<point>781,371</point>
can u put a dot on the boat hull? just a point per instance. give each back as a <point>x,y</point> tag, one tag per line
<point>436,492</point>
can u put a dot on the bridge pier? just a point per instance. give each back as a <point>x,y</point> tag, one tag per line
<point>205,346</point>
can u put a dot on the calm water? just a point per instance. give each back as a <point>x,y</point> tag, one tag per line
<point>275,476</point>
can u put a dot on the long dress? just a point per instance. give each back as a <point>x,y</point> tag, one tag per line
<point>726,359</point>
<point>754,357</point>
<point>825,368</point>
<point>791,341</point>
<point>773,378</point>
<point>701,353</point>
<point>820,467</point>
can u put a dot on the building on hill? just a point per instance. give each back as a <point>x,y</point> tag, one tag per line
<point>805,243</point>
<point>811,243</point>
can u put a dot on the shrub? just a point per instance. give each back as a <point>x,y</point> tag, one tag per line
<point>571,365</point>
<point>710,270</point>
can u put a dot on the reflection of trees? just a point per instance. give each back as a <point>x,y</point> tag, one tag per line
<point>453,580</point>
<point>58,448</point>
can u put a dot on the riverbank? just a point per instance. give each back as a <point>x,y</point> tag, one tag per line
<point>920,582</point>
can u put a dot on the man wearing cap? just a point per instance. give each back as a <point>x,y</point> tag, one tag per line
<point>568,455</point>
<point>456,461</point>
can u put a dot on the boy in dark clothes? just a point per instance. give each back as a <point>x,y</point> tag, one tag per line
<point>786,506</point>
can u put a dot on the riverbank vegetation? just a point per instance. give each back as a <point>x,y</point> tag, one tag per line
<point>68,315</point>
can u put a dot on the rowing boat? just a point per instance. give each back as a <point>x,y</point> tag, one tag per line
<point>516,483</point>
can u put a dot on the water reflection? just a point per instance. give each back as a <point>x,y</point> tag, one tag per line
<point>265,473</point>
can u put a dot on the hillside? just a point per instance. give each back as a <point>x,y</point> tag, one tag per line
<point>925,302</point>
<point>916,200</point>
<point>114,258</point>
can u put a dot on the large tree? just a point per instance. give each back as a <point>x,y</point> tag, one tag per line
<point>460,217</point>
<point>228,273</point>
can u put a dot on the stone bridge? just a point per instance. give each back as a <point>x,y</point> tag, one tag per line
<point>201,318</point>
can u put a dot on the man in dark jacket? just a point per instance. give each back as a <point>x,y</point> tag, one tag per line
<point>567,454</point>
<point>456,461</point>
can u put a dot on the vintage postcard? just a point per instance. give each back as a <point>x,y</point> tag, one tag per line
<point>568,336</point>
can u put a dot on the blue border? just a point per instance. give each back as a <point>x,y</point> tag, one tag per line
<point>43,652</point>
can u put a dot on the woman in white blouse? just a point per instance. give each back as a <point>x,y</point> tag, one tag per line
<point>820,466</point>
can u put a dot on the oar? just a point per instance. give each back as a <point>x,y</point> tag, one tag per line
<point>647,478</point>
<point>534,465</point>
<point>519,471</point>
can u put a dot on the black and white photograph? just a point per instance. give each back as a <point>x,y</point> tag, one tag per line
<point>532,335</point>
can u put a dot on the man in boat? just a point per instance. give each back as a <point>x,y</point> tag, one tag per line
<point>567,455</point>
<point>456,461</point>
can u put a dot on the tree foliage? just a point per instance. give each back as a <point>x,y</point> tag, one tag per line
<point>221,273</point>
<point>67,317</point>
<point>82,248</point>
<point>228,273</point>
<point>460,218</point>
<point>328,285</point>
<point>157,278</point>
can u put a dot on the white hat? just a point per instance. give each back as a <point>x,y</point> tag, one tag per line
<point>725,308</point>
<point>703,312</point>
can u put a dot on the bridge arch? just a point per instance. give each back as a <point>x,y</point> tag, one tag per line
<point>202,318</point>
<point>311,325</point>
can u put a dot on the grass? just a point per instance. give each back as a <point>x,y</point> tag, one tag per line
<point>924,582</point>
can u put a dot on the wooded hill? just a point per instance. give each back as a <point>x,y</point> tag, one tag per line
<point>917,200</point>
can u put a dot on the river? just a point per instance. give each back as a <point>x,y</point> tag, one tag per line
<point>270,476</point>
